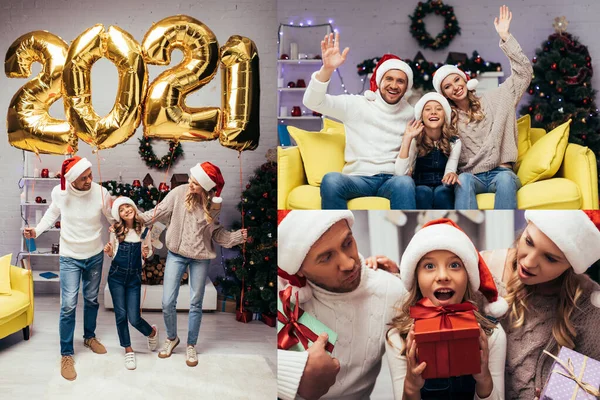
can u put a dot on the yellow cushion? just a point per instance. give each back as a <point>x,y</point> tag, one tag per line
<point>544,158</point>
<point>308,197</point>
<point>524,142</point>
<point>329,124</point>
<point>322,152</point>
<point>12,306</point>
<point>5,274</point>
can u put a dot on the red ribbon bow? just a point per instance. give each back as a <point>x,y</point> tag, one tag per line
<point>424,309</point>
<point>294,332</point>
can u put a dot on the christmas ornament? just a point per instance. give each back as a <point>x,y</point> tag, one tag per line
<point>136,183</point>
<point>38,199</point>
<point>57,224</point>
<point>271,284</point>
<point>45,173</point>
<point>560,24</point>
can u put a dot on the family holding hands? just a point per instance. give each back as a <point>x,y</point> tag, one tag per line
<point>440,154</point>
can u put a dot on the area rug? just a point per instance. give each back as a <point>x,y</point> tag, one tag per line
<point>216,377</point>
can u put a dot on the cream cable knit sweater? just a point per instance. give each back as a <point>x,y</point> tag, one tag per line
<point>359,318</point>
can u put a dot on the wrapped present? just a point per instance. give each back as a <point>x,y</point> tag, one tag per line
<point>297,330</point>
<point>268,319</point>
<point>447,339</point>
<point>574,376</point>
<point>243,316</point>
<point>226,304</point>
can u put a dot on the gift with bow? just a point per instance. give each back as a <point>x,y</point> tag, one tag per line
<point>447,339</point>
<point>574,376</point>
<point>296,329</point>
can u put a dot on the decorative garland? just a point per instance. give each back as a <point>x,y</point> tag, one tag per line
<point>423,70</point>
<point>418,31</point>
<point>151,159</point>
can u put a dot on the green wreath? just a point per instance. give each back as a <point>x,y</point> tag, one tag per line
<point>152,160</point>
<point>418,31</point>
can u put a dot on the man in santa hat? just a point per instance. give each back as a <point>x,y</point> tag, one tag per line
<point>80,203</point>
<point>318,258</point>
<point>374,125</point>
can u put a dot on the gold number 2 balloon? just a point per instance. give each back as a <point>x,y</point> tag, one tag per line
<point>165,114</point>
<point>240,94</point>
<point>125,52</point>
<point>30,126</point>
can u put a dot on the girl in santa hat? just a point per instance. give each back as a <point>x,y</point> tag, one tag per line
<point>487,124</point>
<point>552,302</point>
<point>191,211</point>
<point>129,244</point>
<point>441,268</point>
<point>430,151</point>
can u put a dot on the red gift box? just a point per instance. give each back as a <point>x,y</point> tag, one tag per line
<point>243,316</point>
<point>447,339</point>
<point>268,319</point>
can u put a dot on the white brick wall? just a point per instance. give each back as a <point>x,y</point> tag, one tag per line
<point>255,19</point>
<point>379,26</point>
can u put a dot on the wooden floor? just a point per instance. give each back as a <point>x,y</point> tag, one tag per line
<point>25,366</point>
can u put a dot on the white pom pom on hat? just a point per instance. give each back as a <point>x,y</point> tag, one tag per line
<point>386,63</point>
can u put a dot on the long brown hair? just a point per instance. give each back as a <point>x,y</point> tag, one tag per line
<point>475,112</point>
<point>203,199</point>
<point>402,321</point>
<point>121,228</point>
<point>425,145</point>
<point>570,292</point>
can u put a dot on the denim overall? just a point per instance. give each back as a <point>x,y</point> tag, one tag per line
<point>124,283</point>
<point>454,388</point>
<point>428,174</point>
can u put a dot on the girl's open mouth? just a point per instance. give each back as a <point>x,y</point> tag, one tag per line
<point>443,294</point>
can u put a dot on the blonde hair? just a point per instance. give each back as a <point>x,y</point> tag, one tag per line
<point>402,321</point>
<point>518,295</point>
<point>194,201</point>
<point>121,229</point>
<point>475,112</point>
<point>425,144</point>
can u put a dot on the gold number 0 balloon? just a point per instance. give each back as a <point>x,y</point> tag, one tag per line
<point>122,49</point>
<point>241,94</point>
<point>165,114</point>
<point>29,125</point>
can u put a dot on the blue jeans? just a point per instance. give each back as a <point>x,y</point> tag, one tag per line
<point>174,269</point>
<point>502,181</point>
<point>71,272</point>
<point>337,189</point>
<point>124,283</point>
<point>440,197</point>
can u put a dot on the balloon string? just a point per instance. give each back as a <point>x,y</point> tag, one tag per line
<point>100,176</point>
<point>244,243</point>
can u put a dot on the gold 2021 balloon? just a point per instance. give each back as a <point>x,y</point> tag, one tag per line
<point>241,94</point>
<point>166,115</point>
<point>125,52</point>
<point>29,125</point>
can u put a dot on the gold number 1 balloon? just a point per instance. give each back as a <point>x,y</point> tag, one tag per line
<point>122,49</point>
<point>165,114</point>
<point>29,125</point>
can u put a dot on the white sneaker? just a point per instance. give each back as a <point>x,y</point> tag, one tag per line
<point>130,360</point>
<point>168,348</point>
<point>153,341</point>
<point>192,357</point>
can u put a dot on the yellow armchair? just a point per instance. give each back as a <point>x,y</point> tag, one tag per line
<point>16,309</point>
<point>574,186</point>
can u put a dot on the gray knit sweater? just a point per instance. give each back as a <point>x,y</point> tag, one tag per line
<point>527,367</point>
<point>493,141</point>
<point>189,234</point>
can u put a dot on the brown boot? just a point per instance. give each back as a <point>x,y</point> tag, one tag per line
<point>67,368</point>
<point>95,345</point>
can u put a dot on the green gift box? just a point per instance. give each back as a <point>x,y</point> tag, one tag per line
<point>296,329</point>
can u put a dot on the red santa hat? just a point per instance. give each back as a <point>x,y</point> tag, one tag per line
<point>209,176</point>
<point>297,231</point>
<point>71,169</point>
<point>576,233</point>
<point>442,72</point>
<point>385,64</point>
<point>444,234</point>
<point>118,203</point>
<point>433,96</point>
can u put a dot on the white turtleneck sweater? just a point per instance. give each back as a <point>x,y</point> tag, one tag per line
<point>360,319</point>
<point>374,129</point>
<point>80,219</point>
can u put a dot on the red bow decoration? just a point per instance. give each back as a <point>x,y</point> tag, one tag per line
<point>424,309</point>
<point>294,332</point>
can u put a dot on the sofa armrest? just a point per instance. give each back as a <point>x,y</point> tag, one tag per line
<point>22,281</point>
<point>579,165</point>
<point>290,173</point>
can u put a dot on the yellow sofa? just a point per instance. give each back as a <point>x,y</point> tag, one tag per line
<point>574,186</point>
<point>16,309</point>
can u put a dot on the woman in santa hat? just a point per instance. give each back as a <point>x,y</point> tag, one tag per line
<point>429,152</point>
<point>487,124</point>
<point>552,302</point>
<point>190,211</point>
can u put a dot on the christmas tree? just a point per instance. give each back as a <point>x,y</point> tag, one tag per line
<point>257,274</point>
<point>561,88</point>
<point>144,197</point>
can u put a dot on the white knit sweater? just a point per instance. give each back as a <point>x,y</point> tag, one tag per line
<point>359,318</point>
<point>374,129</point>
<point>80,219</point>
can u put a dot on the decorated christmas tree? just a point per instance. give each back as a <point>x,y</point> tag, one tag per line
<point>561,88</point>
<point>254,270</point>
<point>145,197</point>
